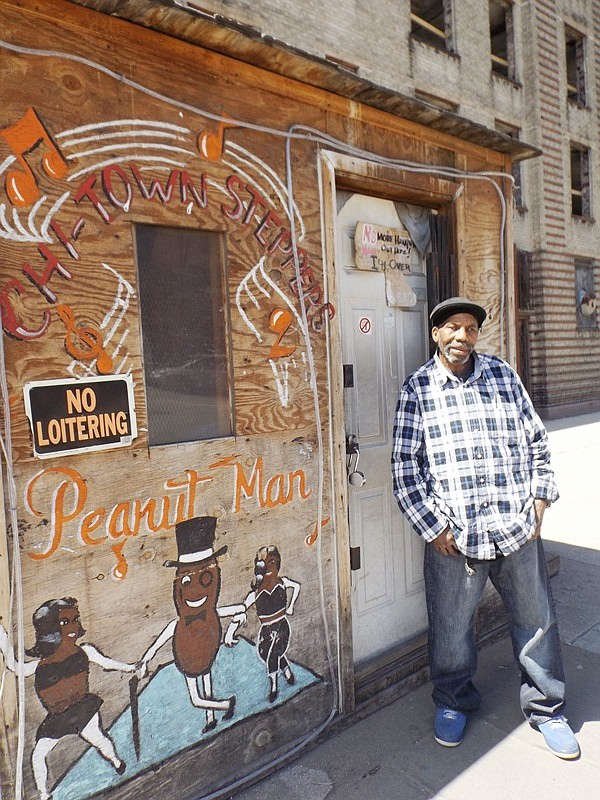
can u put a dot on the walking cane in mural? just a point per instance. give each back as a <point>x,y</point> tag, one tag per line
<point>61,669</point>
<point>196,632</point>
<point>269,595</point>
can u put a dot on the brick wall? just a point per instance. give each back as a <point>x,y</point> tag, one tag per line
<point>375,37</point>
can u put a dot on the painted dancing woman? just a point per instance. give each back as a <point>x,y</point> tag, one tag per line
<point>269,595</point>
<point>61,670</point>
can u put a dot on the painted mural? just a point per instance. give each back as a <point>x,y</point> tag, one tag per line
<point>175,556</point>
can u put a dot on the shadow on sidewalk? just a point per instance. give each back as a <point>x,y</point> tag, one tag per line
<point>391,755</point>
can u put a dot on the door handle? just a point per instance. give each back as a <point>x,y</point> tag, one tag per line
<point>355,476</point>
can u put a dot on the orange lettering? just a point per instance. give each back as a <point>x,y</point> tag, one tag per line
<point>303,492</point>
<point>148,509</point>
<point>119,519</point>
<point>58,514</point>
<point>89,524</point>
<point>187,500</point>
<point>275,485</point>
<point>279,322</point>
<point>40,434</point>
<point>248,488</point>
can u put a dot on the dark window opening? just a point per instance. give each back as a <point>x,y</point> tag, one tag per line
<point>525,310</point>
<point>523,270</point>
<point>501,39</point>
<point>575,61</point>
<point>431,22</point>
<point>580,182</point>
<point>441,263</point>
<point>184,320</point>
<point>524,352</point>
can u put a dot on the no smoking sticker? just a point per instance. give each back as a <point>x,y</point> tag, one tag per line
<point>364,325</point>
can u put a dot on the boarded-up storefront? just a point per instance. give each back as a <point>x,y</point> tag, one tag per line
<point>195,355</point>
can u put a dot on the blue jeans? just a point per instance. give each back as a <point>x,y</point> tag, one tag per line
<point>452,597</point>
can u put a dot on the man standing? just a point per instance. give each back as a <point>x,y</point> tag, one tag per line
<point>471,471</point>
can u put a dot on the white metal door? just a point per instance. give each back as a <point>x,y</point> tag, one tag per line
<point>381,345</point>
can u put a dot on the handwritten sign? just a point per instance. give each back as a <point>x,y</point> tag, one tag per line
<point>76,415</point>
<point>388,250</point>
<point>380,249</point>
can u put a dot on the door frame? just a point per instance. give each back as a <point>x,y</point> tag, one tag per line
<point>337,171</point>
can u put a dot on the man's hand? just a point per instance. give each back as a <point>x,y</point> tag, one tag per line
<point>540,506</point>
<point>445,543</point>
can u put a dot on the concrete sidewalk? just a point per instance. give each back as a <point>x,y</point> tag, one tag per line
<point>391,754</point>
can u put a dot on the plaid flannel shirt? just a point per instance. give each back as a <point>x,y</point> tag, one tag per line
<point>470,454</point>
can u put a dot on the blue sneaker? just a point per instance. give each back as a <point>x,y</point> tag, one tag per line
<point>559,737</point>
<point>449,727</point>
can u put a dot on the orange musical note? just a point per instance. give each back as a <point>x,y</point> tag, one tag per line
<point>312,537</point>
<point>210,144</point>
<point>279,322</point>
<point>120,569</point>
<point>22,138</point>
<point>90,337</point>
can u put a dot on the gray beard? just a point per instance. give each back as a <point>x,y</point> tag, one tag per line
<point>451,358</point>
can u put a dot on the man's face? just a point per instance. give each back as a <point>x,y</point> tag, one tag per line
<point>196,587</point>
<point>456,339</point>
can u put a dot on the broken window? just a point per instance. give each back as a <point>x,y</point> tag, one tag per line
<point>575,58</point>
<point>431,22</point>
<point>185,341</point>
<point>502,39</point>
<point>581,201</point>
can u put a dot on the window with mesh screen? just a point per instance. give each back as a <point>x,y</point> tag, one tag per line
<point>184,318</point>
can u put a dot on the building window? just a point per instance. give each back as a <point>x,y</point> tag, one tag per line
<point>502,39</point>
<point>580,182</point>
<point>525,306</point>
<point>523,271</point>
<point>431,22</point>
<point>516,168</point>
<point>184,319</point>
<point>585,294</point>
<point>575,58</point>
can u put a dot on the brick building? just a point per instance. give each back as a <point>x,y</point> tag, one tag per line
<point>528,70</point>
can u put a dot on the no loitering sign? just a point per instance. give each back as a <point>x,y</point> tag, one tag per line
<point>80,415</point>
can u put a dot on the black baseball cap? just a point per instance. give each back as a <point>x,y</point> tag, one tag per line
<point>456,305</point>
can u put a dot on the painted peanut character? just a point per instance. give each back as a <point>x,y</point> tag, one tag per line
<point>269,595</point>
<point>61,670</point>
<point>196,632</point>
